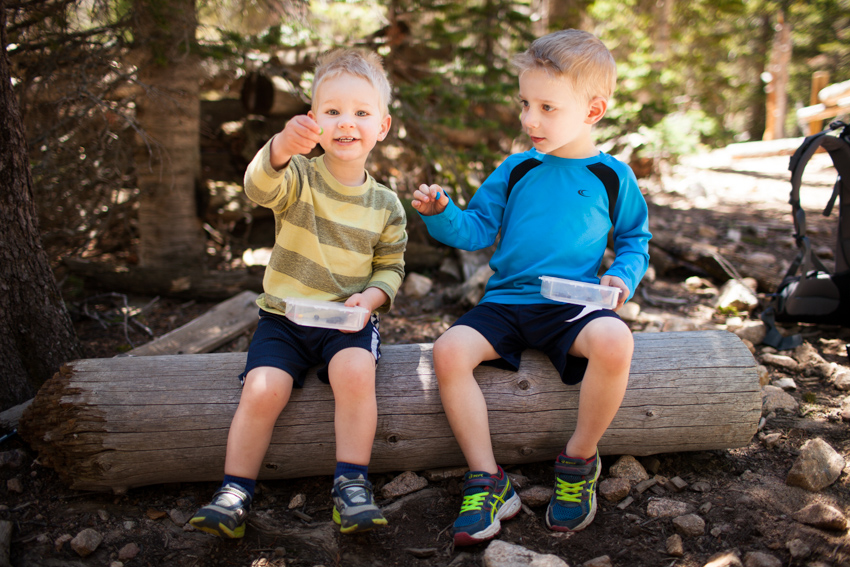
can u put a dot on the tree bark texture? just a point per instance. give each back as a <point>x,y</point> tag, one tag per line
<point>124,422</point>
<point>36,334</point>
<point>168,151</point>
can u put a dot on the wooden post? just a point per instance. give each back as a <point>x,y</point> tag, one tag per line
<point>820,79</point>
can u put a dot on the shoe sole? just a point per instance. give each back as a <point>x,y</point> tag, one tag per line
<point>508,510</point>
<point>219,529</point>
<point>367,525</point>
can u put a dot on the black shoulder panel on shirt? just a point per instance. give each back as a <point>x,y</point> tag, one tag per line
<point>519,172</point>
<point>609,179</point>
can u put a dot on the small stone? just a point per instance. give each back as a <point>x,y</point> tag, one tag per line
<point>129,551</point>
<point>614,489</point>
<point>625,503</point>
<point>724,559</point>
<point>116,564</point>
<point>677,484</point>
<point>667,508</point>
<point>602,561</point>
<point>734,294</point>
<point>280,551</point>
<point>629,468</point>
<point>86,542</point>
<point>840,377</point>
<point>15,485</point>
<point>773,398</point>
<point>689,525</point>
<point>700,486</point>
<point>764,375</point>
<point>761,559</point>
<point>297,501</point>
<point>786,384</point>
<point>518,480</point>
<point>129,525</point>
<point>179,518</point>
<point>771,440</point>
<point>61,541</point>
<point>781,361</point>
<point>818,466</point>
<point>103,515</point>
<point>405,483</point>
<point>416,285</point>
<point>500,553</point>
<point>422,552</point>
<point>645,485</point>
<point>705,508</point>
<point>12,459</point>
<point>822,516</point>
<point>536,495</point>
<point>675,546</point>
<point>798,549</point>
<point>629,312</point>
<point>752,331</point>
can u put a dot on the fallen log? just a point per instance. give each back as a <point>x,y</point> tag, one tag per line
<point>119,423</point>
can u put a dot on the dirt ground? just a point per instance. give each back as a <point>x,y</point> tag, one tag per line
<point>740,493</point>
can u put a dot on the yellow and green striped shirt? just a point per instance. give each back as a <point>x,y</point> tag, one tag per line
<point>331,240</point>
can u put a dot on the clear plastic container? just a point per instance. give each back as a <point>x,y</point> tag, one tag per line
<point>580,293</point>
<point>325,314</point>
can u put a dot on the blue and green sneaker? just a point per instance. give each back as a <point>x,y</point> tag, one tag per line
<point>354,505</point>
<point>573,505</point>
<point>225,516</point>
<point>487,499</point>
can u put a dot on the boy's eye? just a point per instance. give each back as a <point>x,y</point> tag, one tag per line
<point>362,113</point>
<point>547,108</point>
<point>333,112</point>
<point>523,103</point>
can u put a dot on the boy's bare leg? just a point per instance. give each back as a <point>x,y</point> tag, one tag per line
<point>264,395</point>
<point>456,353</point>
<point>352,377</point>
<point>607,344</point>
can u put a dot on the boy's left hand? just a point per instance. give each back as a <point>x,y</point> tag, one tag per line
<point>614,281</point>
<point>371,298</point>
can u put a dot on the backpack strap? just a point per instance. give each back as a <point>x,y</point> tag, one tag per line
<point>838,147</point>
<point>605,174</point>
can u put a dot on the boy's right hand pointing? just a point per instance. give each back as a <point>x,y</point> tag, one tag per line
<point>430,200</point>
<point>299,136</point>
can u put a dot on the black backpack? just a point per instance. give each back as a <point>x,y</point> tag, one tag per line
<point>809,292</point>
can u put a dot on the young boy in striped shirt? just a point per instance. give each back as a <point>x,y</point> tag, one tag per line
<point>339,236</point>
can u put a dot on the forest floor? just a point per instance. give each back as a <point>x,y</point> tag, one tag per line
<point>740,493</point>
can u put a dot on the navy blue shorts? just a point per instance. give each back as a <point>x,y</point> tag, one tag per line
<point>293,348</point>
<point>511,329</point>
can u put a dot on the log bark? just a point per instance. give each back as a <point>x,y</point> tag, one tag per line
<point>124,422</point>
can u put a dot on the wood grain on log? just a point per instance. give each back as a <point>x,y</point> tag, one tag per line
<point>124,422</point>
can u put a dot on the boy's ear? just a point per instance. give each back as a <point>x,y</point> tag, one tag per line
<point>385,127</point>
<point>596,110</point>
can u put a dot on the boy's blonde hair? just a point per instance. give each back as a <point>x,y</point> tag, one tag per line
<point>576,55</point>
<point>357,62</point>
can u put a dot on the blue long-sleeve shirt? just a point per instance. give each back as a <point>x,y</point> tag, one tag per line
<point>555,224</point>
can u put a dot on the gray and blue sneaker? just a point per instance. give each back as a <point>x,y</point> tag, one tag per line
<point>573,505</point>
<point>487,499</point>
<point>354,505</point>
<point>225,516</point>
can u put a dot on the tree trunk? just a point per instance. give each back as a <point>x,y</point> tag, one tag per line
<point>562,14</point>
<point>777,89</point>
<point>36,334</point>
<point>123,422</point>
<point>168,155</point>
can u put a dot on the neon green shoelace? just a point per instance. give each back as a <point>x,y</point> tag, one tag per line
<point>473,502</point>
<point>569,491</point>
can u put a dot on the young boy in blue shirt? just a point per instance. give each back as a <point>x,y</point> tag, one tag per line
<point>339,236</point>
<point>555,222</point>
